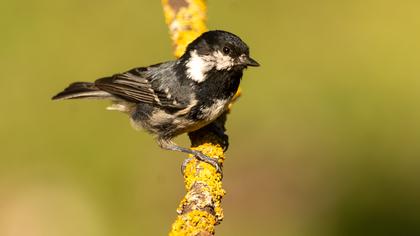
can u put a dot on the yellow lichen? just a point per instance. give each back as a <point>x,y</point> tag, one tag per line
<point>186,20</point>
<point>193,223</point>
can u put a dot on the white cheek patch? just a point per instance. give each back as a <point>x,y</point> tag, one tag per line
<point>223,62</point>
<point>198,66</point>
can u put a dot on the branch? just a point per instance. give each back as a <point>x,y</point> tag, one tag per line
<point>186,20</point>
<point>200,209</point>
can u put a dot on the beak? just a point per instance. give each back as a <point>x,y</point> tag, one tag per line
<point>248,61</point>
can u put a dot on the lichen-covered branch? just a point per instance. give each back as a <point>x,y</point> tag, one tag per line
<point>186,20</point>
<point>200,210</point>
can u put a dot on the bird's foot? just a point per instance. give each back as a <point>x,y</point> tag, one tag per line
<point>201,157</point>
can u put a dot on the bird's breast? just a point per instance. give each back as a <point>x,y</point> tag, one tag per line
<point>211,111</point>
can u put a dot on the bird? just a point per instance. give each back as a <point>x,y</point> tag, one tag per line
<point>178,96</point>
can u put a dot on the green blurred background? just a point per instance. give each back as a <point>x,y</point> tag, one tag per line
<point>324,141</point>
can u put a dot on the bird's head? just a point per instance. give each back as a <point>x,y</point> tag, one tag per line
<point>216,50</point>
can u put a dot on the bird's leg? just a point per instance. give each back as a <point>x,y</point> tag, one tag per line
<point>169,145</point>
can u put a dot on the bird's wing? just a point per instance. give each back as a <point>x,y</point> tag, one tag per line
<point>134,86</point>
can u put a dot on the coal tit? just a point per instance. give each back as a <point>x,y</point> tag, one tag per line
<point>176,97</point>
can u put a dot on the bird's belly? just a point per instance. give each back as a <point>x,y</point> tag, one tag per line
<point>210,113</point>
<point>162,123</point>
<point>186,124</point>
<point>203,117</point>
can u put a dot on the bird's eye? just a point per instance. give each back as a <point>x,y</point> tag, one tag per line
<point>226,50</point>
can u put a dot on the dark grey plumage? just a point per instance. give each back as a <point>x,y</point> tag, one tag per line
<point>176,97</point>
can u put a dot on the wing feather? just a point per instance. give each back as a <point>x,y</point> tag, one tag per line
<point>133,86</point>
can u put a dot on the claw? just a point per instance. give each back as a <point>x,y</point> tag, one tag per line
<point>184,165</point>
<point>169,145</point>
<point>200,156</point>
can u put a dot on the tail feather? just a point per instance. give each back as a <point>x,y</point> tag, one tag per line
<point>81,90</point>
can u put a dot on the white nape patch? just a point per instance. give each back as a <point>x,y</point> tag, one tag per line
<point>215,110</point>
<point>198,66</point>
